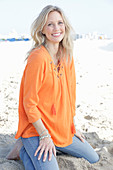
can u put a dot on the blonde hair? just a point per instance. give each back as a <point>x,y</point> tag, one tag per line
<point>66,45</point>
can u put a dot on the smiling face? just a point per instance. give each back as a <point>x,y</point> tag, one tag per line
<point>54,28</point>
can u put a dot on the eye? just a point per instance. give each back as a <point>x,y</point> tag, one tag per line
<point>60,23</point>
<point>50,24</point>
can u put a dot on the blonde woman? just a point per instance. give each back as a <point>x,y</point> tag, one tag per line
<point>47,97</point>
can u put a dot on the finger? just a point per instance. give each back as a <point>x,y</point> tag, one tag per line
<point>45,154</point>
<point>50,154</point>
<point>83,136</point>
<point>40,154</point>
<point>54,151</point>
<point>37,150</point>
<point>82,139</point>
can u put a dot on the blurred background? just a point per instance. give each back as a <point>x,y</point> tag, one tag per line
<point>89,18</point>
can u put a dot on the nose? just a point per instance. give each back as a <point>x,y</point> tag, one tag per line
<point>56,27</point>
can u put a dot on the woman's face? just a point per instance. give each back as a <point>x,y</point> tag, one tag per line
<point>54,28</point>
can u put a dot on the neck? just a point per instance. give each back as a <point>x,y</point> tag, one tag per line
<point>53,48</point>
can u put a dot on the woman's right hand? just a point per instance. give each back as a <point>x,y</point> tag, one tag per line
<point>46,145</point>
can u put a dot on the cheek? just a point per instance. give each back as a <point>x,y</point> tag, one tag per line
<point>63,29</point>
<point>48,31</point>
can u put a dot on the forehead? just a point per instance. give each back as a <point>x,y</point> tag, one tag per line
<point>54,15</point>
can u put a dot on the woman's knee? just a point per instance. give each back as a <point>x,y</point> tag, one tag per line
<point>90,153</point>
<point>95,158</point>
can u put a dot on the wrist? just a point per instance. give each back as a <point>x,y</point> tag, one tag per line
<point>44,136</point>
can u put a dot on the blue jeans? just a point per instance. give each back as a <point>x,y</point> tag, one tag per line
<point>76,149</point>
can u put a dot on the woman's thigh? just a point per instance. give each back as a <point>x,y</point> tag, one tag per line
<point>30,145</point>
<point>80,150</point>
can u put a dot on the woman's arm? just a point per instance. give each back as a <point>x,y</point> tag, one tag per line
<point>46,144</point>
<point>39,126</point>
<point>34,77</point>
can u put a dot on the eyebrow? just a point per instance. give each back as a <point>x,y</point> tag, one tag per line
<point>57,21</point>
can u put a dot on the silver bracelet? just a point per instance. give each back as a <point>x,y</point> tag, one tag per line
<point>45,136</point>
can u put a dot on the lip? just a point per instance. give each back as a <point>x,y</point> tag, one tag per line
<point>56,34</point>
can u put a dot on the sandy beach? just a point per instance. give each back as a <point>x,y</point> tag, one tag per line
<point>94,103</point>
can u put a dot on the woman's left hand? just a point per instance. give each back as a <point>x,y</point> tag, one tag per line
<point>80,135</point>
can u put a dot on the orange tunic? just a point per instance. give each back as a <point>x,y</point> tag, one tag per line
<point>47,94</point>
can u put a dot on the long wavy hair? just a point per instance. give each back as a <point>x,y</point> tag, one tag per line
<point>66,45</point>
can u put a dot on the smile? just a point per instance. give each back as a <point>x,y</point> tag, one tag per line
<point>56,34</point>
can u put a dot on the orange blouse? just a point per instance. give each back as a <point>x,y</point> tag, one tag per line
<point>48,94</point>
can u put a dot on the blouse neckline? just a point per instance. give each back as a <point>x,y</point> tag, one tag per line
<point>55,65</point>
<point>58,69</point>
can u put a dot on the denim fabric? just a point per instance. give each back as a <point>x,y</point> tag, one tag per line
<point>26,159</point>
<point>30,161</point>
<point>76,149</point>
<point>80,150</point>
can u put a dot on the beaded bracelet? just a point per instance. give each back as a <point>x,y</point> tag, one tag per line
<point>45,136</point>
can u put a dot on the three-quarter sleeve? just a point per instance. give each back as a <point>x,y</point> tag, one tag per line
<point>34,75</point>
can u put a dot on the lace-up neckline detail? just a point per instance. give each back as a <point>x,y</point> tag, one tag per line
<point>57,69</point>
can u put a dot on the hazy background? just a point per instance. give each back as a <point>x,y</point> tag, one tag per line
<point>84,15</point>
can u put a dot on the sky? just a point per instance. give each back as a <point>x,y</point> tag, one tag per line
<point>84,15</point>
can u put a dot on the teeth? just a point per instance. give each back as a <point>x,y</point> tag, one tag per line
<point>56,34</point>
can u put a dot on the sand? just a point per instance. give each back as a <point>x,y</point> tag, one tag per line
<point>94,104</point>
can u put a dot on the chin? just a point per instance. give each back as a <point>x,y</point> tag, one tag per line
<point>57,41</point>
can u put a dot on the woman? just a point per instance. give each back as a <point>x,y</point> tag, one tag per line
<point>47,97</point>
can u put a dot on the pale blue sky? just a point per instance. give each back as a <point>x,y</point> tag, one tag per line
<point>84,15</point>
